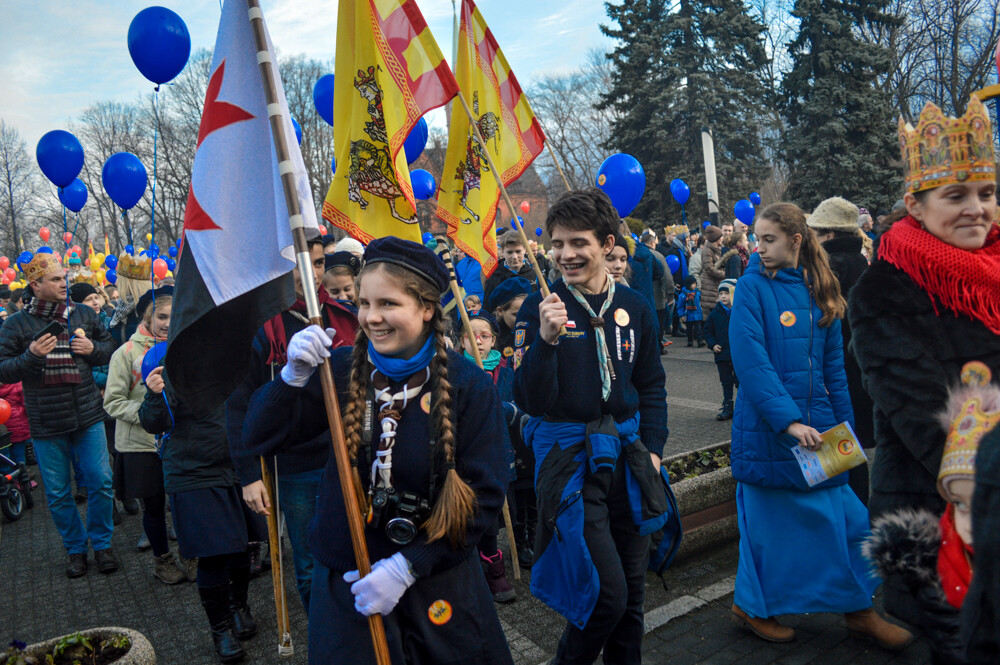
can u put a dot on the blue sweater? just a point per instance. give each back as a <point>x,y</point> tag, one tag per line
<point>562,381</point>
<point>717,332</point>
<point>280,416</point>
<point>790,369</point>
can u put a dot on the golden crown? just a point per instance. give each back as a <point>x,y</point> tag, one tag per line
<point>40,266</point>
<point>944,151</point>
<point>971,413</point>
<point>135,268</point>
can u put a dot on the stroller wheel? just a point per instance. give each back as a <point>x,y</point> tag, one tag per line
<point>12,504</point>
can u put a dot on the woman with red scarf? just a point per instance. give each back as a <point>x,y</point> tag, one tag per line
<point>927,311</point>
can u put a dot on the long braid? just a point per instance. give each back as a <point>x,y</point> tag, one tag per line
<point>456,503</point>
<point>355,412</point>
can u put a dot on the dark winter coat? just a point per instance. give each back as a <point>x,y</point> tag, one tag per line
<point>848,265</point>
<point>663,288</point>
<point>717,332</point>
<point>55,410</point>
<point>711,275</point>
<point>645,271</point>
<point>909,356</point>
<point>981,609</point>
<point>790,370</point>
<point>731,264</point>
<point>195,452</point>
<point>503,273</point>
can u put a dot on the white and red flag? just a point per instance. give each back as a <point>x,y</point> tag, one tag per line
<point>235,266</point>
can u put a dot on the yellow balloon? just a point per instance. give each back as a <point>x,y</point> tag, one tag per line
<point>169,274</point>
<point>101,256</point>
<point>95,265</point>
<point>139,250</point>
<point>149,237</point>
<point>101,275</point>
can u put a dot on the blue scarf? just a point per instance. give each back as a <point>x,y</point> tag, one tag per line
<point>398,369</point>
<point>490,362</point>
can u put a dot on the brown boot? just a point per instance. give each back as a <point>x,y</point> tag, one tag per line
<point>766,629</point>
<point>167,571</point>
<point>870,624</point>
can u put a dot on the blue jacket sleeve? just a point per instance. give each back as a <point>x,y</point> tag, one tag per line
<point>759,381</point>
<point>536,381</point>
<point>834,374</point>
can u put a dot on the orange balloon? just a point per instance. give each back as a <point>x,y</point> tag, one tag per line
<point>322,230</point>
<point>4,411</point>
<point>525,207</point>
<point>67,237</point>
<point>160,268</point>
<point>44,233</point>
<point>4,262</point>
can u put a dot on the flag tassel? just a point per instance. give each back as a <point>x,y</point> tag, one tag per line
<point>467,325</point>
<point>354,519</point>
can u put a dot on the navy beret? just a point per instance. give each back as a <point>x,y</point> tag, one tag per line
<point>345,259</point>
<point>148,296</point>
<point>410,255</point>
<point>329,239</point>
<point>507,290</point>
<point>483,315</point>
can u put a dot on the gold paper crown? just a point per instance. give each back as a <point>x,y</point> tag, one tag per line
<point>944,151</point>
<point>972,412</point>
<point>40,266</point>
<point>135,268</point>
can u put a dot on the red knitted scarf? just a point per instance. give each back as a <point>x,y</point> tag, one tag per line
<point>954,567</point>
<point>966,282</point>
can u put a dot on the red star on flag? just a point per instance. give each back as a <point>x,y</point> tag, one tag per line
<point>215,116</point>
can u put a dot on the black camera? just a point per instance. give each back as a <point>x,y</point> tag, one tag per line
<point>399,513</point>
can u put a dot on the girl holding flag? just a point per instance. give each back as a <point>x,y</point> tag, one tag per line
<point>425,430</point>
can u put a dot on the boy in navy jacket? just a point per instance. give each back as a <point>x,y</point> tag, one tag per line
<point>717,336</point>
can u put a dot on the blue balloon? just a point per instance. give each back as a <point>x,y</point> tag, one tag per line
<point>60,156</point>
<point>706,224</point>
<point>171,264</point>
<point>43,250</point>
<point>673,262</point>
<point>153,358</point>
<point>423,184</point>
<point>416,141</point>
<point>124,179</point>
<point>74,197</point>
<point>426,237</point>
<point>178,243</point>
<point>172,251</point>
<point>755,198</point>
<point>623,180</point>
<point>538,232</point>
<point>744,211</point>
<point>25,257</point>
<point>680,191</point>
<point>130,250</point>
<point>501,229</point>
<point>111,276</point>
<point>323,98</point>
<point>298,130</point>
<point>159,44</point>
<point>333,164</point>
<point>111,261</point>
<point>154,249</point>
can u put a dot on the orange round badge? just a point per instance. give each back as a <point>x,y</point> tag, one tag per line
<point>845,447</point>
<point>976,373</point>
<point>439,612</point>
<point>787,319</point>
<point>425,403</point>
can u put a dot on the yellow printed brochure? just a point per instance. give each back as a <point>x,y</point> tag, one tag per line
<point>839,452</point>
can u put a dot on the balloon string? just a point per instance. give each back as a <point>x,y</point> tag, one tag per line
<point>152,211</point>
<point>65,230</point>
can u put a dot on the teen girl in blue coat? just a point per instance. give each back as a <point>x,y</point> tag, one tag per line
<point>800,547</point>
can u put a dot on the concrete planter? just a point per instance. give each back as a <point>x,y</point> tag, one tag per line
<point>707,504</point>
<point>140,653</point>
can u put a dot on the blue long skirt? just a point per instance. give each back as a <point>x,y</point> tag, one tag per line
<point>800,552</point>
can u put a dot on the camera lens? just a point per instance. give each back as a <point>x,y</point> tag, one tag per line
<point>400,530</point>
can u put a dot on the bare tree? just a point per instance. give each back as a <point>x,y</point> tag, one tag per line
<point>19,186</point>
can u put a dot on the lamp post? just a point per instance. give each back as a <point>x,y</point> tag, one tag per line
<point>711,184</point>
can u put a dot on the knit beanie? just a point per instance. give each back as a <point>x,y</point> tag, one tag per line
<point>79,291</point>
<point>350,245</point>
<point>834,214</point>
<point>712,233</point>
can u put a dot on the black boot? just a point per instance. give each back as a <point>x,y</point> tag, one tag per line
<point>727,411</point>
<point>243,621</point>
<point>215,600</point>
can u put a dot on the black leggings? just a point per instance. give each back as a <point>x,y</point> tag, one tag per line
<point>213,571</point>
<point>154,522</point>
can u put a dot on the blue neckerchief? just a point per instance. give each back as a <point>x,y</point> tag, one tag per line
<point>491,360</point>
<point>725,307</point>
<point>398,369</point>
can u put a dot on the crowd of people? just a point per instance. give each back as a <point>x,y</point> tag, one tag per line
<point>814,319</point>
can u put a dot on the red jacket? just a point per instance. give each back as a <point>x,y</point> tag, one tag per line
<point>18,421</point>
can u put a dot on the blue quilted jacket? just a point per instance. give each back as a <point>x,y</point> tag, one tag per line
<point>789,369</point>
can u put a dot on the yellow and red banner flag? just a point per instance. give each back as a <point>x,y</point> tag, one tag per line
<point>469,192</point>
<point>389,72</point>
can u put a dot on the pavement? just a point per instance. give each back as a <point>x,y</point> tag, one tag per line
<point>687,613</point>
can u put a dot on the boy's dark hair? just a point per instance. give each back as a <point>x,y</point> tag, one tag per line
<point>512,239</point>
<point>584,210</point>
<point>690,281</point>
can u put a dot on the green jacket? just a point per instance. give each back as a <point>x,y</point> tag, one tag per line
<point>124,392</point>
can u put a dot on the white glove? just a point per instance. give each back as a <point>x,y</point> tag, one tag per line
<point>306,350</point>
<point>382,588</point>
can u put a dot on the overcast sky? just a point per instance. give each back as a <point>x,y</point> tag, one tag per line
<point>59,56</point>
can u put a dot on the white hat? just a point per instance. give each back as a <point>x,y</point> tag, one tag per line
<point>350,245</point>
<point>834,214</point>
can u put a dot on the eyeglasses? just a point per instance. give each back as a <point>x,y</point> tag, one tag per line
<point>482,337</point>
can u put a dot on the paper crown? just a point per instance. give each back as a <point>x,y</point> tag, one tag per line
<point>135,268</point>
<point>972,412</point>
<point>944,151</point>
<point>40,266</point>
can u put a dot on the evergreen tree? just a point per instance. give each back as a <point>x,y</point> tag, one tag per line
<point>841,137</point>
<point>706,70</point>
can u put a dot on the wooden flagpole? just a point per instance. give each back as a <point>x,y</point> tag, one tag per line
<point>460,304</point>
<point>351,503</point>
<point>285,647</point>
<point>552,154</point>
